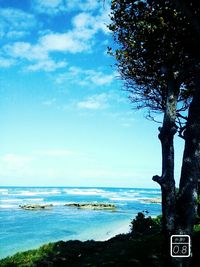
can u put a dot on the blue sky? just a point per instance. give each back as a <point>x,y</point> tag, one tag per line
<point>64,119</point>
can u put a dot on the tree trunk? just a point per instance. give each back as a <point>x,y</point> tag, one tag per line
<point>166,180</point>
<point>190,173</point>
<point>198,204</point>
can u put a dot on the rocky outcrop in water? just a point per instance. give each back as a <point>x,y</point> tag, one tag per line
<point>93,206</point>
<point>36,206</point>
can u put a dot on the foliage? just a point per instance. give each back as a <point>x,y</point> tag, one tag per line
<point>29,258</point>
<point>154,40</point>
<point>197,228</point>
<point>145,225</point>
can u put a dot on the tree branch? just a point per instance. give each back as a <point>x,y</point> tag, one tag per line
<point>158,179</point>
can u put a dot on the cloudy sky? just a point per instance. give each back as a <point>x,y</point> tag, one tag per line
<point>64,119</point>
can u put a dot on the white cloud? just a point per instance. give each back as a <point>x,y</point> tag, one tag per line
<point>15,23</point>
<point>63,42</point>
<point>84,5</point>
<point>47,65</point>
<point>85,77</point>
<point>79,39</point>
<point>6,62</point>
<point>94,102</point>
<point>25,50</point>
<point>41,54</point>
<point>36,55</point>
<point>99,78</point>
<point>86,23</point>
<point>16,34</point>
<point>52,7</point>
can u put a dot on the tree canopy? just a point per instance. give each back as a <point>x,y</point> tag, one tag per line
<point>154,40</point>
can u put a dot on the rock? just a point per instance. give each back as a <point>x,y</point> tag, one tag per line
<point>35,206</point>
<point>155,200</point>
<point>93,206</point>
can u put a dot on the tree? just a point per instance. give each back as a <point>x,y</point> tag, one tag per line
<point>156,70</point>
<point>158,58</point>
<point>190,173</point>
<point>189,187</point>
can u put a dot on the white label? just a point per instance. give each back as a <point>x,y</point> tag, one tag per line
<point>180,246</point>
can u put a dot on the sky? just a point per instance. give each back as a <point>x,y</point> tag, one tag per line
<point>65,120</point>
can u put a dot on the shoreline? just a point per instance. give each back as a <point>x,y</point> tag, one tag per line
<point>123,228</point>
<point>125,250</point>
<point>53,220</point>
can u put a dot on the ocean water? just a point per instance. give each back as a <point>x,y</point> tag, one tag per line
<point>27,229</point>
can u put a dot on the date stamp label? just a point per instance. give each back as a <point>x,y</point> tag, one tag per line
<point>180,246</point>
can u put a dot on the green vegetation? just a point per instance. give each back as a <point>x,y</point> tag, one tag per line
<point>142,225</point>
<point>144,244</point>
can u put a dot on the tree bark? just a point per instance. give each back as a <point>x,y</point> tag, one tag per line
<point>198,204</point>
<point>190,173</point>
<point>166,180</point>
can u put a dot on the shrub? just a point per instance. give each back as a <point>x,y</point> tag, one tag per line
<point>145,225</point>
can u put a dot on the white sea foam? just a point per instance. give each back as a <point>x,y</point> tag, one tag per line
<point>122,194</point>
<point>34,199</point>
<point>57,203</point>
<point>3,190</point>
<point>10,200</point>
<point>89,192</point>
<point>150,192</point>
<point>131,193</point>
<point>123,198</point>
<point>99,192</point>
<point>145,201</point>
<point>36,193</point>
<point>109,195</point>
<point>7,206</point>
<point>4,193</point>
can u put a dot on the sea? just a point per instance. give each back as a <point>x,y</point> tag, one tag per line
<point>22,230</point>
